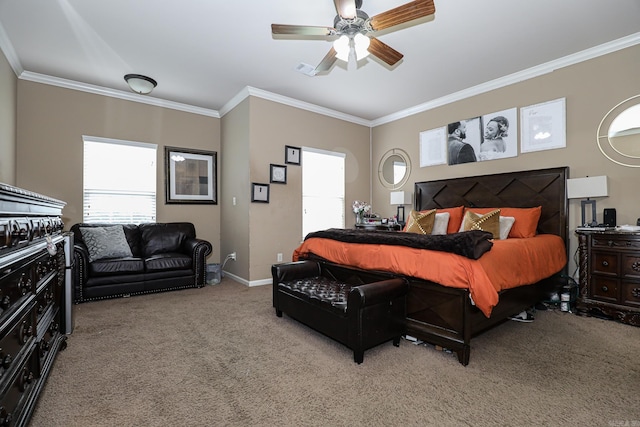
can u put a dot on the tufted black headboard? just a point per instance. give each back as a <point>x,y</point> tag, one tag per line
<point>542,187</point>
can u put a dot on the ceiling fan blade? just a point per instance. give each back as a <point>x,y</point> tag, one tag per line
<point>401,14</point>
<point>327,62</point>
<point>346,8</point>
<point>384,52</point>
<point>301,30</point>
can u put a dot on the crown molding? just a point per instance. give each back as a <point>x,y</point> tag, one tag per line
<point>9,52</point>
<point>270,96</point>
<point>510,79</point>
<point>113,93</point>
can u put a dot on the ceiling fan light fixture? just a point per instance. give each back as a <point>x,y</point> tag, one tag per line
<point>140,84</point>
<point>361,43</point>
<point>342,48</point>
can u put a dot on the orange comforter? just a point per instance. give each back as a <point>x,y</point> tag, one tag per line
<point>509,263</point>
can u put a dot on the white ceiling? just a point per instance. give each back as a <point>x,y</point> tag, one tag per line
<point>203,53</point>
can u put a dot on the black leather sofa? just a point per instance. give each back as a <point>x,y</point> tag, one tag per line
<point>164,256</point>
<point>360,309</point>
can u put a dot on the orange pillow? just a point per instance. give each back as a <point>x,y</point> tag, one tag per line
<point>455,218</point>
<point>526,219</point>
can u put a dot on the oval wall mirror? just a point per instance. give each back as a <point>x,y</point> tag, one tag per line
<point>618,135</point>
<point>394,168</point>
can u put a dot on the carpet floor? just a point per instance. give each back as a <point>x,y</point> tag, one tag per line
<point>219,356</point>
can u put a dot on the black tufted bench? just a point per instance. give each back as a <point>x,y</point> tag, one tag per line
<point>358,308</point>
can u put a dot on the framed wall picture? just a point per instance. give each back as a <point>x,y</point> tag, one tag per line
<point>260,193</point>
<point>543,126</point>
<point>433,147</point>
<point>499,135</point>
<point>291,155</point>
<point>278,174</point>
<point>190,176</point>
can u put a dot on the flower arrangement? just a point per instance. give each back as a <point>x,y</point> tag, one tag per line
<point>360,208</point>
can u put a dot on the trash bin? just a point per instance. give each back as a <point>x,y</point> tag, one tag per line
<point>214,274</point>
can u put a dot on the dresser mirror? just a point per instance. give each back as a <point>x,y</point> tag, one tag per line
<point>618,135</point>
<point>394,168</point>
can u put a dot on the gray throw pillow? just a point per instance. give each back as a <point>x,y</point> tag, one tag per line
<point>105,242</point>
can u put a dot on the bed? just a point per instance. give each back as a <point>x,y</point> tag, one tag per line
<point>447,306</point>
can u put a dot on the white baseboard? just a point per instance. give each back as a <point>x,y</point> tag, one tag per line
<point>247,282</point>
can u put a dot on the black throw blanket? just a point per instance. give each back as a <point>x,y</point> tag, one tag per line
<point>471,244</point>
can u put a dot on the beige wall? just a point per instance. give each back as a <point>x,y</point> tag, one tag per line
<point>234,234</point>
<point>51,121</point>
<point>276,227</point>
<point>8,100</point>
<point>591,88</point>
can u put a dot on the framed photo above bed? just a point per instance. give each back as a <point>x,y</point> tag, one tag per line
<point>190,176</point>
<point>543,126</point>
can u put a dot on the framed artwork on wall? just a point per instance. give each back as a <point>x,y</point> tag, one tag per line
<point>433,147</point>
<point>543,126</point>
<point>190,176</point>
<point>278,174</point>
<point>499,135</point>
<point>259,193</point>
<point>291,155</point>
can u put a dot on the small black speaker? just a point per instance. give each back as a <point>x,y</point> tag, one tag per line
<point>609,217</point>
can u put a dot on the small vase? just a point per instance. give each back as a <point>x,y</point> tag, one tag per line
<point>359,218</point>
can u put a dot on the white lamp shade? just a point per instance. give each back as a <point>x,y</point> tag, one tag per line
<point>591,186</point>
<point>342,48</point>
<point>400,198</point>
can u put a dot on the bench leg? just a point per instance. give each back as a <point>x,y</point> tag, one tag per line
<point>278,313</point>
<point>396,341</point>
<point>358,356</point>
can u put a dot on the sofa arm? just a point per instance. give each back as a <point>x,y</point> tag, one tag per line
<point>198,249</point>
<point>294,270</point>
<point>377,292</point>
<point>80,270</point>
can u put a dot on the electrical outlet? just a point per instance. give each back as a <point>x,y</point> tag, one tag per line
<point>232,256</point>
<point>279,257</point>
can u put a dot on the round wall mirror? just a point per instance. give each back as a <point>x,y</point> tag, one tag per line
<point>394,168</point>
<point>618,135</point>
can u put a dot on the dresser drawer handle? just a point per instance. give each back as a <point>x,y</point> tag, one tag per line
<point>605,289</point>
<point>25,332</point>
<point>605,263</point>
<point>5,417</point>
<point>6,361</point>
<point>25,379</point>
<point>610,243</point>
<point>636,266</point>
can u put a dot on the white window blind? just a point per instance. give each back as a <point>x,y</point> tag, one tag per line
<point>119,183</point>
<point>323,181</point>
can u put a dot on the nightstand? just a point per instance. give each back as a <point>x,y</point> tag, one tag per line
<point>609,263</point>
<point>379,227</point>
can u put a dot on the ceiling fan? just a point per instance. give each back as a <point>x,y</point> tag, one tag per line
<point>352,31</point>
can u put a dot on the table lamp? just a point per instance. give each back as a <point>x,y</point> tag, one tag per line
<point>586,188</point>
<point>400,198</point>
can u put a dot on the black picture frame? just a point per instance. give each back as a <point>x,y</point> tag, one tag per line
<point>259,192</point>
<point>292,155</point>
<point>190,176</point>
<point>277,174</point>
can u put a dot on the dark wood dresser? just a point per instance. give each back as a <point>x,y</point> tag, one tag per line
<point>609,266</point>
<point>32,265</point>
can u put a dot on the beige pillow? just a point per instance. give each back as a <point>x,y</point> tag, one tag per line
<point>421,222</point>
<point>506,222</point>
<point>488,222</point>
<point>441,223</point>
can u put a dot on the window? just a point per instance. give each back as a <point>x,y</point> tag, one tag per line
<point>119,184</point>
<point>322,190</point>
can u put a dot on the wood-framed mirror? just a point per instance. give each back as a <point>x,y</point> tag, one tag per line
<point>394,168</point>
<point>618,134</point>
